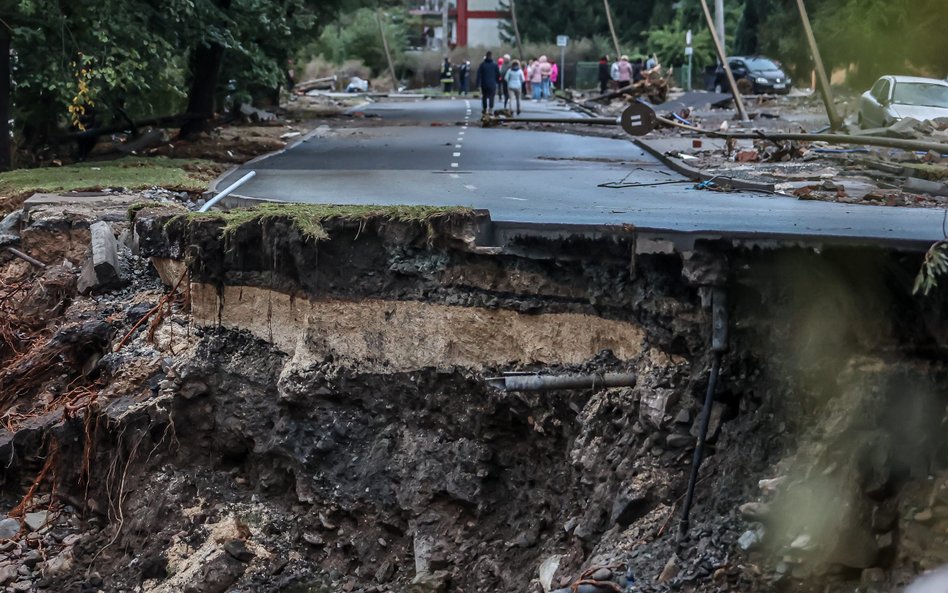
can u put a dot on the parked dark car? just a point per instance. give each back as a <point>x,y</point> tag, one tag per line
<point>754,75</point>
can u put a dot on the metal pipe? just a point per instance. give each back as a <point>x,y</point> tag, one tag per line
<point>718,346</point>
<point>558,382</point>
<point>26,258</point>
<point>230,189</point>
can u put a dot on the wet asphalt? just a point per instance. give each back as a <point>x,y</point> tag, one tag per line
<point>435,152</point>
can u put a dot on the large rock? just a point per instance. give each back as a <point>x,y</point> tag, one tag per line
<point>9,527</point>
<point>629,506</point>
<point>101,270</point>
<point>430,582</point>
<point>217,575</point>
<point>9,225</point>
<point>655,404</point>
<point>35,521</point>
<point>7,574</point>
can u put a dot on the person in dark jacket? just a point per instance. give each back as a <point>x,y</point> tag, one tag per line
<point>464,73</point>
<point>637,70</point>
<point>605,74</point>
<point>447,75</point>
<point>487,75</point>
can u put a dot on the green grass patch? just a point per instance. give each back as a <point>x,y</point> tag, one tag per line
<point>309,218</point>
<point>130,173</point>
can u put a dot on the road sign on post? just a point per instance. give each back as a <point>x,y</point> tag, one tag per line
<point>689,51</point>
<point>562,41</point>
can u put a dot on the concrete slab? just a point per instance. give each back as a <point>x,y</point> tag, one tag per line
<point>90,199</point>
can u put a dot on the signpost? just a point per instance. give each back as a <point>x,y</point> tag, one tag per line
<point>562,41</point>
<point>689,51</point>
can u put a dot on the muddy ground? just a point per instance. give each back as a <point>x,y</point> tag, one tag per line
<point>305,415</point>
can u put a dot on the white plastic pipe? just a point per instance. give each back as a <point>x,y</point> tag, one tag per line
<point>230,189</point>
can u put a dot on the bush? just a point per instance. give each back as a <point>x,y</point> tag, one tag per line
<point>355,37</point>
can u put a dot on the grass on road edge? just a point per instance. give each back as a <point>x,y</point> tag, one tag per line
<point>309,218</point>
<point>129,173</point>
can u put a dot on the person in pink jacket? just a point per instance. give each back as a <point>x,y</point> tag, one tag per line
<point>554,75</point>
<point>545,72</point>
<point>536,80</point>
<point>625,72</point>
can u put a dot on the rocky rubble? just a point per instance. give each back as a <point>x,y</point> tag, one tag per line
<point>155,454</point>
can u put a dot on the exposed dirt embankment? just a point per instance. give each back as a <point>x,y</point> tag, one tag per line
<point>311,414</point>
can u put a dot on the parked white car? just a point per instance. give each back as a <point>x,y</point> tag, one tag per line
<point>892,98</point>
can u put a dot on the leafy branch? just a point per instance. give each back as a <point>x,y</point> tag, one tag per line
<point>934,265</point>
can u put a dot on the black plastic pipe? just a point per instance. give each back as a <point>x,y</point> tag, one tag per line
<point>718,346</point>
<point>699,449</point>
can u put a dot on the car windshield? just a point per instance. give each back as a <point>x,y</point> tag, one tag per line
<point>921,93</point>
<point>761,64</point>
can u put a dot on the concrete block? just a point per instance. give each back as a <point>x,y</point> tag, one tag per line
<point>101,270</point>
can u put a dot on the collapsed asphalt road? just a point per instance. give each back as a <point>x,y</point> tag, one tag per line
<point>436,153</point>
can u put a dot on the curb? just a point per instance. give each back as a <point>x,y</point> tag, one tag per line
<point>679,166</point>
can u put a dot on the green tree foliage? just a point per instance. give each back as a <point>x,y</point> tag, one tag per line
<point>878,37</point>
<point>96,57</point>
<point>355,36</point>
<point>868,37</point>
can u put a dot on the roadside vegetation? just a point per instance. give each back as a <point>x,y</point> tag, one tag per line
<point>132,173</point>
<point>310,218</point>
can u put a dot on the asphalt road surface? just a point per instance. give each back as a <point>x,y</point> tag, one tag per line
<point>436,153</point>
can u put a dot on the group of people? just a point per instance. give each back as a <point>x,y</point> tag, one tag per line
<point>506,80</point>
<point>622,73</point>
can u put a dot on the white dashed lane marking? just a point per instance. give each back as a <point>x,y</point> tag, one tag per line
<point>457,154</point>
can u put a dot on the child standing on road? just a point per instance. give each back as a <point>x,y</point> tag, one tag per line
<point>514,79</point>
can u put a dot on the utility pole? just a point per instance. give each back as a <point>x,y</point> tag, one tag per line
<point>719,20</point>
<point>612,29</point>
<point>738,101</point>
<point>513,21</point>
<point>388,54</point>
<point>836,122</point>
<point>445,32</point>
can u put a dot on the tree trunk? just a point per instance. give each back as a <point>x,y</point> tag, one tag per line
<point>612,29</point>
<point>6,160</point>
<point>513,20</point>
<point>206,68</point>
